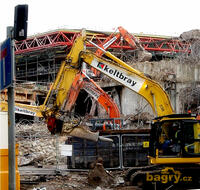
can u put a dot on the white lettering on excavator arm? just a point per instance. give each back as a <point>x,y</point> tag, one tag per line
<point>133,82</point>
<point>24,111</point>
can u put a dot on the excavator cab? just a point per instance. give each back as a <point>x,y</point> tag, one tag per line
<point>175,139</point>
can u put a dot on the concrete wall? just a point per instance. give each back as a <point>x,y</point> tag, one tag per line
<point>132,103</point>
<point>179,75</point>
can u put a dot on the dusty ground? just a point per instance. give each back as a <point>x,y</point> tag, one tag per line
<point>75,181</point>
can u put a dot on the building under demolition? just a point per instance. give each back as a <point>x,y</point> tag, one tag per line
<point>39,58</point>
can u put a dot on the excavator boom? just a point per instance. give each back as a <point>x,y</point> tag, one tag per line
<point>127,76</point>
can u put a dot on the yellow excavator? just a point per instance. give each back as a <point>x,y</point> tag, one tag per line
<point>174,148</point>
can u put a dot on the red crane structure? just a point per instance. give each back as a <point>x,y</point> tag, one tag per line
<point>67,37</point>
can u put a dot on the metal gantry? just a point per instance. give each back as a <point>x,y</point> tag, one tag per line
<point>67,37</point>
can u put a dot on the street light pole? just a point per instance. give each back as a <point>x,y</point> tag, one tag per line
<point>11,118</point>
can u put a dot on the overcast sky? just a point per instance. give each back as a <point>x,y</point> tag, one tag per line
<point>160,17</point>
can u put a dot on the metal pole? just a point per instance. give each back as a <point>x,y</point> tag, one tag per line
<point>11,118</point>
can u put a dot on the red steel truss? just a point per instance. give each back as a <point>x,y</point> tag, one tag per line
<point>66,38</point>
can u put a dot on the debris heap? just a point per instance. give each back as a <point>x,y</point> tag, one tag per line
<point>36,145</point>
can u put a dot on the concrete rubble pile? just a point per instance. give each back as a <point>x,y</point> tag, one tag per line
<point>193,37</point>
<point>36,145</point>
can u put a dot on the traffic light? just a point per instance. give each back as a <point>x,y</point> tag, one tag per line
<point>20,22</point>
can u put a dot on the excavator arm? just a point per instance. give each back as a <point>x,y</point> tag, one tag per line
<point>58,92</point>
<point>127,76</point>
<point>65,89</point>
<point>130,39</point>
<point>134,80</point>
<point>23,109</point>
<point>95,91</point>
